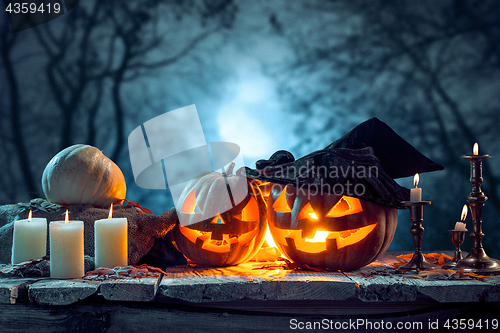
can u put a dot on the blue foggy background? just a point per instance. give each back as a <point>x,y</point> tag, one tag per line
<point>266,75</point>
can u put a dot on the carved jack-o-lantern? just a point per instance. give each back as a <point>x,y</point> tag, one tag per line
<point>327,230</point>
<point>222,220</point>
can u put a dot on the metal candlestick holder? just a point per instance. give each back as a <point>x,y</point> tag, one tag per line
<point>477,261</point>
<point>457,237</point>
<point>418,261</point>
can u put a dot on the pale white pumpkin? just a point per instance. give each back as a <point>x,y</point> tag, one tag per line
<point>81,174</point>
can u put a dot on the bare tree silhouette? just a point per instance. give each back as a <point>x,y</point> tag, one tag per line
<point>17,136</point>
<point>85,61</point>
<point>430,69</point>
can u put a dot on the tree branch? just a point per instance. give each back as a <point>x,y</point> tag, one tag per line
<point>8,40</point>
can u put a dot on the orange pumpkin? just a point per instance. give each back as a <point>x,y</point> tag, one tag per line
<point>326,230</point>
<point>222,219</point>
<point>81,174</point>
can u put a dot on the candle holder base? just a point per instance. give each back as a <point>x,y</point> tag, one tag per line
<point>416,264</point>
<point>418,261</point>
<point>478,262</point>
<point>450,264</point>
<point>457,237</point>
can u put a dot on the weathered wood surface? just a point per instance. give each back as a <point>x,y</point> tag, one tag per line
<point>250,281</point>
<point>263,286</point>
<point>373,283</point>
<point>261,297</point>
<point>456,291</point>
<point>135,290</point>
<point>383,288</point>
<point>61,292</point>
<point>119,317</point>
<point>350,306</point>
<point>13,290</point>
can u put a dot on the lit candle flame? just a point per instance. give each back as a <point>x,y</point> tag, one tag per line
<point>313,215</point>
<point>319,236</point>
<point>416,179</point>
<point>30,214</point>
<point>110,215</point>
<point>66,218</point>
<point>464,212</point>
<point>475,150</point>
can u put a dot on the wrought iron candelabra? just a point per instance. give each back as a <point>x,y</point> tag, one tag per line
<point>418,261</point>
<point>477,261</point>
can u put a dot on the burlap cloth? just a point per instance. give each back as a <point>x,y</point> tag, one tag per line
<point>144,230</point>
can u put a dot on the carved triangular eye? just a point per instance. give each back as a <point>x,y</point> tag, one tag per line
<point>190,206</point>
<point>307,213</point>
<point>250,212</point>
<point>345,206</point>
<point>218,220</point>
<point>280,205</point>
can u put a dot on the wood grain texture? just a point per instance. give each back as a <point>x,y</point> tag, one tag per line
<point>350,306</point>
<point>250,281</point>
<point>61,292</point>
<point>446,291</point>
<point>130,317</point>
<point>122,317</point>
<point>384,288</point>
<point>258,283</point>
<point>493,294</point>
<point>137,290</point>
<point>13,290</point>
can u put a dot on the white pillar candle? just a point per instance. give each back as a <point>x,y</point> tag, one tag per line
<point>29,239</point>
<point>416,193</point>
<point>111,247</point>
<point>66,249</point>
<point>460,226</point>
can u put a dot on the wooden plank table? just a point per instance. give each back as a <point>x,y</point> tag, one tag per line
<point>256,295</point>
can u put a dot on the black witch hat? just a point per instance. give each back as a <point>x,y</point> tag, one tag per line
<point>363,164</point>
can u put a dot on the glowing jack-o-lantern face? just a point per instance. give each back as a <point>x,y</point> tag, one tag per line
<point>222,220</point>
<point>327,230</point>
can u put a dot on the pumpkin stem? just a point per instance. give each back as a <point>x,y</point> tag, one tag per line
<point>229,170</point>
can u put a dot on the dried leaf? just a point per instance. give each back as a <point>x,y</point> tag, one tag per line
<point>444,258</point>
<point>399,263</point>
<point>405,256</point>
<point>436,274</point>
<point>123,272</point>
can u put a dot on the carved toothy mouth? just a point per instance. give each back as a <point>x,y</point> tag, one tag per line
<point>323,239</point>
<point>214,245</point>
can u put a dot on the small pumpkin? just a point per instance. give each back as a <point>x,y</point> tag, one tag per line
<point>82,174</point>
<point>222,219</point>
<point>328,230</point>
